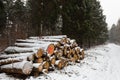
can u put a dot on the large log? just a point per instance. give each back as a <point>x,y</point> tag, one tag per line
<point>14,49</point>
<point>11,60</point>
<point>49,37</point>
<point>23,67</point>
<point>49,48</point>
<point>62,40</point>
<point>27,44</point>
<point>36,43</point>
<point>5,56</point>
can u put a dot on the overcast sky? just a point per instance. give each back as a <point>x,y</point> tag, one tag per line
<point>111,10</point>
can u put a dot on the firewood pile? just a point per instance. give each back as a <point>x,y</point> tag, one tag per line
<point>37,55</point>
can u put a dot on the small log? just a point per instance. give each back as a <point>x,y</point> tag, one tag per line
<point>39,60</point>
<point>31,57</point>
<point>50,49</point>
<point>65,52</point>
<point>82,54</point>
<point>65,40</point>
<point>73,43</point>
<point>58,54</point>
<point>23,67</point>
<point>64,61</point>
<point>74,58</point>
<point>37,67</point>
<point>59,64</point>
<point>45,71</point>
<point>77,49</point>
<point>68,54</point>
<point>52,60</point>
<point>10,60</point>
<point>46,65</point>
<point>39,53</point>
<point>73,51</point>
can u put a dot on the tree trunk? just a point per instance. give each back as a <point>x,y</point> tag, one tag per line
<point>24,67</point>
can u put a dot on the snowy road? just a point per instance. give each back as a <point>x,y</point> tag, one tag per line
<point>114,63</point>
<point>100,63</point>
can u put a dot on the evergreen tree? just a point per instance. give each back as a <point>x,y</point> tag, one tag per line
<point>2,17</point>
<point>84,21</point>
<point>44,15</point>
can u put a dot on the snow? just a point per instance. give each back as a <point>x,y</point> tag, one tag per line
<point>100,63</point>
<point>15,55</point>
<point>18,49</point>
<point>49,37</point>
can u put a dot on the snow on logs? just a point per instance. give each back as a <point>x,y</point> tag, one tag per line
<point>23,67</point>
<point>44,53</point>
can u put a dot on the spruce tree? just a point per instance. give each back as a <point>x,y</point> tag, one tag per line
<point>2,17</point>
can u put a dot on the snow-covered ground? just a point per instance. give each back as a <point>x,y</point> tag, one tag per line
<point>100,63</point>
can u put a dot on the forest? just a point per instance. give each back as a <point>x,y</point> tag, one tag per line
<point>82,20</point>
<point>114,34</point>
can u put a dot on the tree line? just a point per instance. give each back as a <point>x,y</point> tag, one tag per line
<point>82,20</point>
<point>114,33</point>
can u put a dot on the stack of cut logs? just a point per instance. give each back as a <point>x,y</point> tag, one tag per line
<point>37,55</point>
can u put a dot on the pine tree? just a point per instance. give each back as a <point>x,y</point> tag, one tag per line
<point>44,15</point>
<point>2,17</point>
<point>84,21</point>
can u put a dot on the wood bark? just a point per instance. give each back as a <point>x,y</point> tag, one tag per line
<point>23,67</point>
<point>10,60</point>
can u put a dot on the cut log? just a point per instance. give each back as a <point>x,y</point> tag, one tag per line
<point>5,56</point>
<point>82,54</point>
<point>52,60</point>
<point>10,60</point>
<point>37,67</point>
<point>77,49</point>
<point>46,65</point>
<point>39,60</point>
<point>73,43</point>
<point>73,51</point>
<point>49,37</point>
<point>64,61</point>
<point>58,54</point>
<point>31,57</point>
<point>14,49</point>
<point>23,67</point>
<point>74,58</point>
<point>59,64</point>
<point>69,54</point>
<point>50,49</point>
<point>27,44</point>
<point>65,51</point>
<point>39,53</point>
